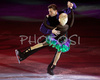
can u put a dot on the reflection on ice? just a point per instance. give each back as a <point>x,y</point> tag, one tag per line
<point>46,77</point>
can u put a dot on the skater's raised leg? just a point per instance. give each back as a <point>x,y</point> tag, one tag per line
<point>23,55</point>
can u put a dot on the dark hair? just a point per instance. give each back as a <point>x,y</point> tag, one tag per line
<point>53,6</point>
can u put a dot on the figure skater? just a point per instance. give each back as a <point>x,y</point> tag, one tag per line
<point>60,42</point>
<point>22,55</point>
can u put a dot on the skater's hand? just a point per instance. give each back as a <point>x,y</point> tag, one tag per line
<point>56,32</point>
<point>70,5</point>
<point>47,15</point>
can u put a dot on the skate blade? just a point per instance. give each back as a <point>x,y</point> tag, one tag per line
<point>16,51</point>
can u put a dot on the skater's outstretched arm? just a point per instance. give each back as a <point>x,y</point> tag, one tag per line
<point>72,18</point>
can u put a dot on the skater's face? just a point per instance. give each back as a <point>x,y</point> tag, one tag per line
<point>52,12</point>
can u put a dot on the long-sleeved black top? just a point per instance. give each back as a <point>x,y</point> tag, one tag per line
<point>63,29</point>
